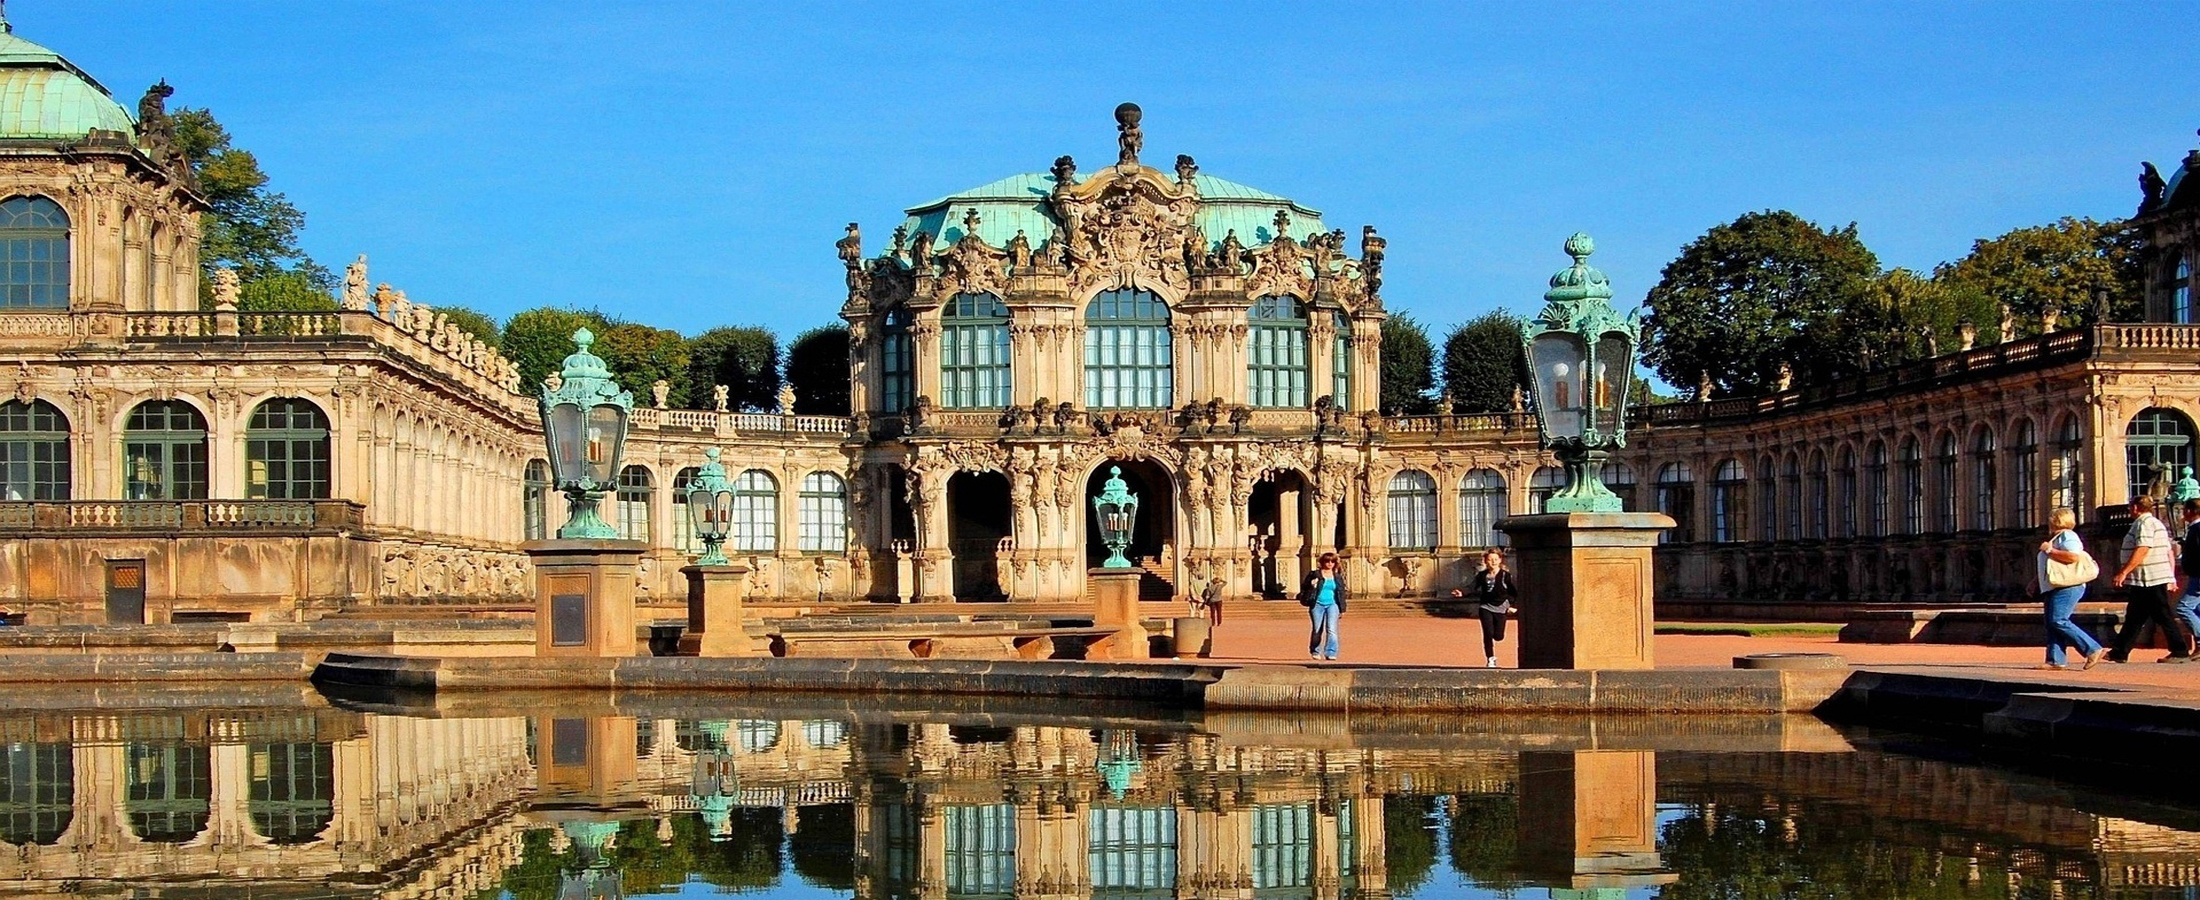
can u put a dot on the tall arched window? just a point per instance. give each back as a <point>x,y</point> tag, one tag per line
<point>1546,481</point>
<point>974,352</point>
<point>292,792</point>
<point>1481,504</point>
<point>1340,360</point>
<point>824,525</point>
<point>1768,498</point>
<point>637,491</point>
<point>34,451</point>
<point>2069,461</point>
<point>1619,478</point>
<point>1875,484</point>
<point>286,451</point>
<point>1985,485</point>
<point>1944,480</point>
<point>1127,351</point>
<point>1844,491</point>
<point>1276,343</point>
<point>683,532</point>
<point>34,254</point>
<point>1131,850</point>
<point>535,507</point>
<point>1676,497</point>
<point>755,513</point>
<point>1729,515</point>
<point>1412,512</point>
<point>897,362</point>
<point>2178,285</point>
<point>2157,445</point>
<point>1791,496</point>
<point>1814,489</point>
<point>2024,475</point>
<point>167,791</point>
<point>1913,487</point>
<point>37,792</point>
<point>164,452</point>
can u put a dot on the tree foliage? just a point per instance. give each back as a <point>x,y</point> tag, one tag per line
<point>1766,289</point>
<point>639,356</point>
<point>2057,266</point>
<point>1409,841</point>
<point>1483,363</point>
<point>539,340</point>
<point>1408,367</point>
<point>743,358</point>
<point>817,369</point>
<point>248,228</point>
<point>284,292</point>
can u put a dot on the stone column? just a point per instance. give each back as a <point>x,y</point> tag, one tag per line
<point>1590,606</point>
<point>1115,605</point>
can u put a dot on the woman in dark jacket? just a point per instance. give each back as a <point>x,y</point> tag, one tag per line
<point>1323,595</point>
<point>1494,591</point>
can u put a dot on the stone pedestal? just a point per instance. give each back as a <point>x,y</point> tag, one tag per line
<point>715,595</point>
<point>1115,605</point>
<point>584,597</point>
<point>1589,820</point>
<point>1585,588</point>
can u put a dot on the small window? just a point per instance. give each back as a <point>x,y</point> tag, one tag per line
<point>2157,448</point>
<point>1676,497</point>
<point>536,505</point>
<point>287,451</point>
<point>1729,512</point>
<point>1543,483</point>
<point>1277,352</point>
<point>974,369</point>
<point>34,452</point>
<point>1481,505</point>
<point>1985,486</point>
<point>898,362</point>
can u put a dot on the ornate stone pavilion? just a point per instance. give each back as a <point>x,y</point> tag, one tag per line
<point>1013,345</point>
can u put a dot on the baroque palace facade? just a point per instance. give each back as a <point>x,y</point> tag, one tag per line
<point>1013,346</point>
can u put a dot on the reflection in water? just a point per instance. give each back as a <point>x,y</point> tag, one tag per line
<point>333,804</point>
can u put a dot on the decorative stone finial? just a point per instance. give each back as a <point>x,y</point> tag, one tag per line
<point>970,222</point>
<point>1283,224</point>
<point>1128,136</point>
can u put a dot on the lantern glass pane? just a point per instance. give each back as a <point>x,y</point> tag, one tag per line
<point>1558,381</point>
<point>567,436</point>
<point>1613,374</point>
<point>606,434</point>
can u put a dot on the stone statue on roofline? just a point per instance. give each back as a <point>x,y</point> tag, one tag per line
<point>1129,137</point>
<point>355,284</point>
<point>786,399</point>
<point>1019,250</point>
<point>225,289</point>
<point>658,391</point>
<point>718,395</point>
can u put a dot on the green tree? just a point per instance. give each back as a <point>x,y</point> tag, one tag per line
<point>743,358</point>
<point>1483,363</point>
<point>472,322</point>
<point>248,228</point>
<point>640,356</point>
<point>1485,838</point>
<point>1766,289</point>
<point>284,292</point>
<point>1409,841</point>
<point>538,340</point>
<point>1408,367</point>
<point>817,369</point>
<point>2058,266</point>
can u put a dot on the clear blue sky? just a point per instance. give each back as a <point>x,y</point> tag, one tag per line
<point>690,164</point>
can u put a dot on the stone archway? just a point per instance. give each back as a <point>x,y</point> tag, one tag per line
<point>1280,516</point>
<point>978,518</point>
<point>1155,546</point>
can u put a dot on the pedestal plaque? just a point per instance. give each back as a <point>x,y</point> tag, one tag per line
<point>584,597</point>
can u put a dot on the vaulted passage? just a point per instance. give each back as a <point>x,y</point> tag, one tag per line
<point>977,523</point>
<point>1153,546</point>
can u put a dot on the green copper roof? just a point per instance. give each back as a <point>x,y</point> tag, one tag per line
<point>43,96</point>
<point>1019,202</point>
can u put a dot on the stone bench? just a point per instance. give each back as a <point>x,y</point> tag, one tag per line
<point>976,642</point>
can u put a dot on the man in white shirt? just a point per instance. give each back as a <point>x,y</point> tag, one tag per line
<point>2148,573</point>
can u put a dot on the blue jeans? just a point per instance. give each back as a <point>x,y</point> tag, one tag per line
<point>2188,607</point>
<point>1323,641</point>
<point>2060,603</point>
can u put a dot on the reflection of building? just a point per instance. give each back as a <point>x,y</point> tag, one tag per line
<point>159,460</point>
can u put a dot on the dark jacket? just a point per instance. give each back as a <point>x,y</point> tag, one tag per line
<point>1312,586</point>
<point>1495,594</point>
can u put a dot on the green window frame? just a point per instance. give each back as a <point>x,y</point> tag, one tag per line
<point>168,792</point>
<point>897,362</point>
<point>1340,362</point>
<point>535,504</point>
<point>1276,348</point>
<point>974,369</point>
<point>34,254</point>
<point>824,510</point>
<point>287,451</point>
<point>292,792</point>
<point>37,792</point>
<point>34,452</point>
<point>755,513</point>
<point>164,452</point>
<point>2156,435</point>
<point>1128,351</point>
<point>683,530</point>
<point>637,493</point>
<point>1412,510</point>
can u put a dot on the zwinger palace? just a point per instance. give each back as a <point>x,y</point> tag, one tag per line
<point>1012,345</point>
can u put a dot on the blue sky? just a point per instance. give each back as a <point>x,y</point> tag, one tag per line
<point>690,164</point>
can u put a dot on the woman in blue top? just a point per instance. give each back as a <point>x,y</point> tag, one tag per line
<point>1323,595</point>
<point>2064,546</point>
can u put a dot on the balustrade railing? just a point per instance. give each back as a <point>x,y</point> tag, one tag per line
<point>25,324</point>
<point>186,516</point>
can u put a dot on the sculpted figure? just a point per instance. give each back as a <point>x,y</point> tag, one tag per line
<point>718,394</point>
<point>1372,247</point>
<point>355,284</point>
<point>1065,172</point>
<point>1019,250</point>
<point>225,288</point>
<point>1129,138</point>
<point>786,399</point>
<point>1064,414</point>
<point>658,390</point>
<point>1233,252</point>
<point>1240,416</point>
<point>1011,417</point>
<point>385,301</point>
<point>920,251</point>
<point>423,317</point>
<point>1185,169</point>
<point>2151,185</point>
<point>1039,414</point>
<point>554,380</point>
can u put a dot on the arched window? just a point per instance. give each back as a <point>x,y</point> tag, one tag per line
<point>293,791</point>
<point>1791,482</point>
<point>974,352</point>
<point>636,492</point>
<point>1875,484</point>
<point>1481,504</point>
<point>2024,476</point>
<point>1729,514</point>
<point>1340,360</point>
<point>1814,489</point>
<point>168,790</point>
<point>34,254</point>
<point>1676,497</point>
<point>1131,850</point>
<point>755,513</point>
<point>980,850</point>
<point>1944,479</point>
<point>1844,490</point>
<point>683,531</point>
<point>2178,285</point>
<point>1913,487</point>
<point>34,452</point>
<point>286,451</point>
<point>824,525</point>
<point>37,792</point>
<point>1985,486</point>
<point>164,452</point>
<point>1619,478</point>
<point>1412,512</point>
<point>1768,498</point>
<point>897,362</point>
<point>2157,446</point>
<point>824,733</point>
<point>756,735</point>
<point>1127,351</point>
<point>1276,343</point>
<point>2069,464</point>
<point>536,503</point>
<point>1546,481</point>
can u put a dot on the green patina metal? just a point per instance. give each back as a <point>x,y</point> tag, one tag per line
<point>585,387</point>
<point>1019,203</point>
<point>1117,510</point>
<point>1582,354</point>
<point>710,497</point>
<point>2186,488</point>
<point>45,97</point>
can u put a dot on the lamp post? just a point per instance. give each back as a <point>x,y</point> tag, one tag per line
<point>1582,354</point>
<point>1115,582</point>
<point>716,585</point>
<point>584,417</point>
<point>1117,510</point>
<point>710,509</point>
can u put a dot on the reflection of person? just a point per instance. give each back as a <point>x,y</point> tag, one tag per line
<point>2064,546</point>
<point>1323,595</point>
<point>2149,571</point>
<point>1494,591</point>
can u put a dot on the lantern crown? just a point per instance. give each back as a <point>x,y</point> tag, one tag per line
<point>1579,281</point>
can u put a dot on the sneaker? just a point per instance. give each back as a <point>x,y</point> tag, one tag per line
<point>1493,662</point>
<point>2050,667</point>
<point>2174,659</point>
<point>2094,658</point>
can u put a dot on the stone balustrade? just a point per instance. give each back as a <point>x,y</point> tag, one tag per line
<point>181,516</point>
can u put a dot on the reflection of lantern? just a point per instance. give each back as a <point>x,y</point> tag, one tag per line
<point>584,418</point>
<point>1117,510</point>
<point>710,509</point>
<point>1582,355</point>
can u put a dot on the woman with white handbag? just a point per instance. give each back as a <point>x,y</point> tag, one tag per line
<point>2064,571</point>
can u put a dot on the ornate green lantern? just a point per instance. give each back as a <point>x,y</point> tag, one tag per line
<point>1117,510</point>
<point>1582,356</point>
<point>584,417</point>
<point>710,509</point>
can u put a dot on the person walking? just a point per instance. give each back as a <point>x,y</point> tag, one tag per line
<point>2188,558</point>
<point>1211,600</point>
<point>1494,592</point>
<point>1323,595</point>
<point>2148,573</point>
<point>2063,554</point>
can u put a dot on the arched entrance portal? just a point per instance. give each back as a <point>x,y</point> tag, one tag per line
<point>977,521</point>
<point>1154,547</point>
<point>1281,518</point>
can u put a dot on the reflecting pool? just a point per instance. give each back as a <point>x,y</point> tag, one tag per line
<point>549,798</point>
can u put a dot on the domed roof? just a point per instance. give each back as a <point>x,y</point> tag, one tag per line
<point>1019,203</point>
<point>46,97</point>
